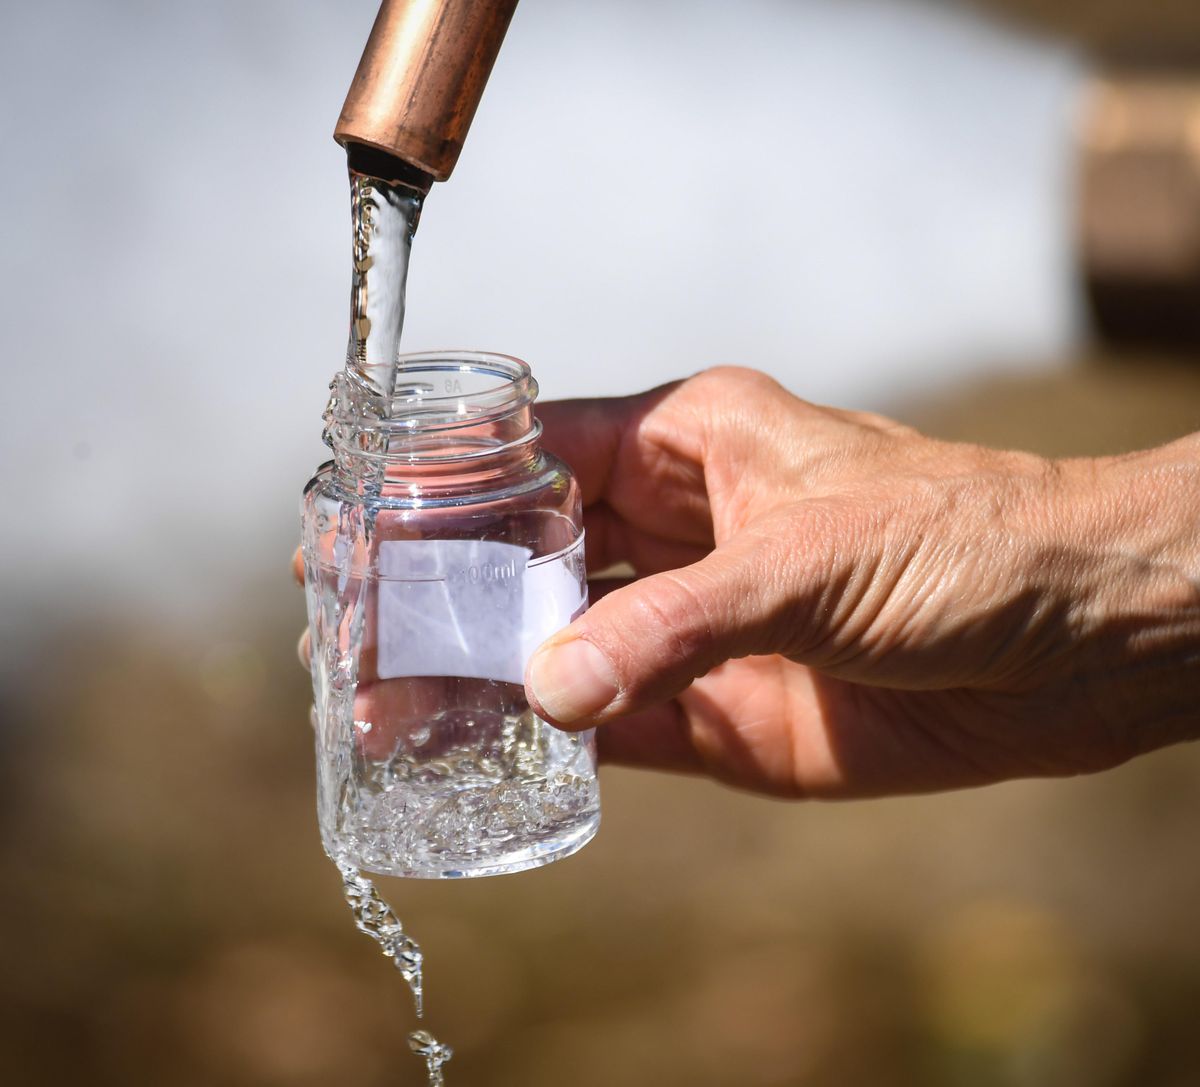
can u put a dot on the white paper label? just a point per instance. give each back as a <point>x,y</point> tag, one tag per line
<point>471,608</point>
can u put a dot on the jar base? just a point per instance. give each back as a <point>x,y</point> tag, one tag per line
<point>528,856</point>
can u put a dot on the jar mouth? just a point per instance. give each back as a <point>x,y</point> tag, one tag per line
<point>435,390</point>
<point>441,401</point>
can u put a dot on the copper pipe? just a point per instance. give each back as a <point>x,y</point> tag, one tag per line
<point>421,77</point>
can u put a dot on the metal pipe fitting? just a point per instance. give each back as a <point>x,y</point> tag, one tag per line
<point>420,80</point>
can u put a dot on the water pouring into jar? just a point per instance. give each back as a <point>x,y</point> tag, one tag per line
<point>441,545</point>
<point>830,605</point>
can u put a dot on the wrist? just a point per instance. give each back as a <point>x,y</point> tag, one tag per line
<point>1143,510</point>
<point>1135,525</point>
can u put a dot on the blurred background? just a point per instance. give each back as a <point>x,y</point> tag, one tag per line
<point>984,220</point>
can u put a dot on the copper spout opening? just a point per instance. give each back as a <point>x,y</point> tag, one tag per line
<point>371,162</point>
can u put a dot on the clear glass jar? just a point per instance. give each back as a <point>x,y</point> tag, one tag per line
<point>441,546</point>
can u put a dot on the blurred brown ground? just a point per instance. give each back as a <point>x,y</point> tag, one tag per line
<point>170,920</point>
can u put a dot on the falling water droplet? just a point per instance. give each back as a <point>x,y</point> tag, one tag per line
<point>374,917</point>
<point>424,1044</point>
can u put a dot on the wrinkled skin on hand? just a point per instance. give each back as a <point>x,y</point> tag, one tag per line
<point>829,604</point>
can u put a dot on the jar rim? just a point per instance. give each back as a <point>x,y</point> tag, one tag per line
<point>446,400</point>
<point>450,405</point>
<point>515,376</point>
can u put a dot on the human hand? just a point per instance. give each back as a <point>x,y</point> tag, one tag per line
<point>830,604</point>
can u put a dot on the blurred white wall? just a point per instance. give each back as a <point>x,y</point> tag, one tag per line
<point>866,199</point>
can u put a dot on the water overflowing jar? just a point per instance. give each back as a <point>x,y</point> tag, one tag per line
<point>441,546</point>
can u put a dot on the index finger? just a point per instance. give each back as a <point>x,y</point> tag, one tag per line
<point>589,433</point>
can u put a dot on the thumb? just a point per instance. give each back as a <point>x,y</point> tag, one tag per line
<point>646,642</point>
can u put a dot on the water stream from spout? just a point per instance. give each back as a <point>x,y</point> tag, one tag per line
<point>384,217</point>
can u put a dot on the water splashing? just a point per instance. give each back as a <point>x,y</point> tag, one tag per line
<point>375,918</point>
<point>424,1044</point>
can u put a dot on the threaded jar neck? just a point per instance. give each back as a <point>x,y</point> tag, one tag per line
<point>448,407</point>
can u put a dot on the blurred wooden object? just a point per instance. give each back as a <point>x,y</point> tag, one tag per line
<point>1140,204</point>
<point>1106,25</point>
<point>1140,161</point>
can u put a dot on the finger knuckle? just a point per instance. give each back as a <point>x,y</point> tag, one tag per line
<point>675,621</point>
<point>736,380</point>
